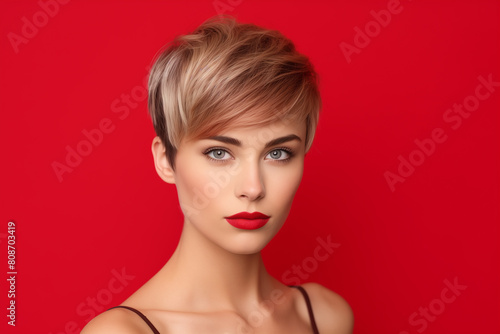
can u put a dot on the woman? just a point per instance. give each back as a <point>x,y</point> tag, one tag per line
<point>235,108</point>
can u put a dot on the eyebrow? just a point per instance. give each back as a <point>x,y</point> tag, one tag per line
<point>236,142</point>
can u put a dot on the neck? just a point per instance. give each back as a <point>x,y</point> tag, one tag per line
<point>206,276</point>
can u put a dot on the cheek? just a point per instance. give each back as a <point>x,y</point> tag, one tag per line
<point>284,185</point>
<point>201,188</point>
<point>194,188</point>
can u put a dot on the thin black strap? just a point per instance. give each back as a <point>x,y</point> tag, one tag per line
<point>153,328</point>
<point>309,307</point>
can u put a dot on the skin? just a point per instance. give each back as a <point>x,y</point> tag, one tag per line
<point>215,281</point>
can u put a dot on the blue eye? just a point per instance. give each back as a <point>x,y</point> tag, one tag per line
<point>279,155</point>
<point>218,154</point>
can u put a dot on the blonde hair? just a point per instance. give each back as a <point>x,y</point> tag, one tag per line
<point>228,74</point>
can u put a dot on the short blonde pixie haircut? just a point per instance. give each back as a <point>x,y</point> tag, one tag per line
<point>228,74</point>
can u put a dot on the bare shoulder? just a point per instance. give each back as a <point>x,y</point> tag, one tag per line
<point>332,312</point>
<point>117,320</point>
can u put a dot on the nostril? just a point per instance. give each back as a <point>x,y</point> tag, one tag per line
<point>250,185</point>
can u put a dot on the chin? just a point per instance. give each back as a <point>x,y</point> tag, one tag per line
<point>247,243</point>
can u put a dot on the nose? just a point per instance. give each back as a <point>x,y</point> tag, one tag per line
<point>250,184</point>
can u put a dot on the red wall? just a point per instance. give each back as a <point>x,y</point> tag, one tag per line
<point>399,180</point>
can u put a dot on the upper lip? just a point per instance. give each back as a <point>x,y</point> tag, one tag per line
<point>248,215</point>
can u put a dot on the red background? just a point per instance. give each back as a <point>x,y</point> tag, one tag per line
<point>112,212</point>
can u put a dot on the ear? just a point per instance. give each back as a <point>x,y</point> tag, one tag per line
<point>162,166</point>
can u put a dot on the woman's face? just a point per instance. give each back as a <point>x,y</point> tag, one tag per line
<point>250,169</point>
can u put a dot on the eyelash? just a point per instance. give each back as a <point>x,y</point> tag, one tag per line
<point>211,149</point>
<point>287,150</point>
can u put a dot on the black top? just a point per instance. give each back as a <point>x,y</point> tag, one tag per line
<point>301,289</point>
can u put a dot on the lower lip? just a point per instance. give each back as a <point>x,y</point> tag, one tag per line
<point>247,224</point>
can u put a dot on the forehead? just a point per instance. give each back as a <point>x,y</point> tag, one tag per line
<point>252,134</point>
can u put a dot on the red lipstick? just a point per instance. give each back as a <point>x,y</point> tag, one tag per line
<point>247,220</point>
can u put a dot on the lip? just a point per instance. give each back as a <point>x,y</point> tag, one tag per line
<point>247,220</point>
